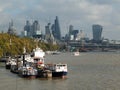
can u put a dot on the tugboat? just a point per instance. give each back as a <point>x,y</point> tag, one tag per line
<point>27,70</point>
<point>26,67</point>
<point>29,66</point>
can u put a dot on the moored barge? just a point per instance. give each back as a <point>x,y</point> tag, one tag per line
<point>33,65</point>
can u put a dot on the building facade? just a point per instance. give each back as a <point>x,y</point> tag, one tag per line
<point>72,33</point>
<point>49,35</point>
<point>56,29</point>
<point>11,29</point>
<point>32,30</point>
<point>27,29</point>
<point>97,33</point>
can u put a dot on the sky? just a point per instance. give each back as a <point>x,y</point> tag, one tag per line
<point>82,14</point>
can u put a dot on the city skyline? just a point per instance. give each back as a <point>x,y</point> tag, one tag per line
<point>82,14</point>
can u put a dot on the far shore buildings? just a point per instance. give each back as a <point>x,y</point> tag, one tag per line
<point>49,38</point>
<point>32,30</point>
<point>52,31</point>
<point>74,34</point>
<point>11,29</point>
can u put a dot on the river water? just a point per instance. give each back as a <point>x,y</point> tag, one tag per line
<point>89,71</point>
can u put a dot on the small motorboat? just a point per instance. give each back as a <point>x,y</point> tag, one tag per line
<point>76,53</point>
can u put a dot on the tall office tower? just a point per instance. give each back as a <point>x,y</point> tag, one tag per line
<point>35,27</point>
<point>71,28</point>
<point>11,29</point>
<point>57,32</point>
<point>27,29</point>
<point>36,32</point>
<point>97,32</point>
<point>48,34</point>
<point>71,36</point>
<point>53,29</point>
<point>47,29</point>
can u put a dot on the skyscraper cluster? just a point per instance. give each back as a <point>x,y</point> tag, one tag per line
<point>49,35</point>
<point>32,30</point>
<point>74,34</point>
<point>52,32</point>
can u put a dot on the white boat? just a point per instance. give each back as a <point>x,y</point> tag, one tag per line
<point>76,53</point>
<point>55,52</point>
<point>58,70</point>
<point>38,52</point>
<point>9,62</point>
<point>14,67</point>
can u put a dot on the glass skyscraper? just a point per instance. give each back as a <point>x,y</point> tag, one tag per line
<point>97,32</point>
<point>56,29</point>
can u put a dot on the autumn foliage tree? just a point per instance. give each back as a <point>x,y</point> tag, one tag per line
<point>13,45</point>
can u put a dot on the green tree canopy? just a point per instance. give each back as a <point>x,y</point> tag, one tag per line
<point>13,45</point>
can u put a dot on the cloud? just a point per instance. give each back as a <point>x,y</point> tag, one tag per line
<point>101,2</point>
<point>80,13</point>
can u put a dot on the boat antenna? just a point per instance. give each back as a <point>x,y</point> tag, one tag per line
<point>24,50</point>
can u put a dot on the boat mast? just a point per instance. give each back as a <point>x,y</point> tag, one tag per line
<point>24,51</point>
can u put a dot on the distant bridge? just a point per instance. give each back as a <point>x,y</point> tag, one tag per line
<point>94,46</point>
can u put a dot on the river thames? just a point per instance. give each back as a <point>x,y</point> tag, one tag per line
<point>89,71</point>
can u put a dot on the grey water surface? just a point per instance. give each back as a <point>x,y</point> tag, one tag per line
<point>89,71</point>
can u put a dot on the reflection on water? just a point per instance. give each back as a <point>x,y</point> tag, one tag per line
<point>89,71</point>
